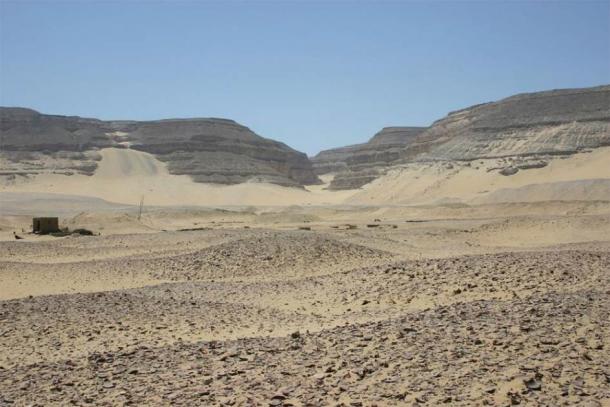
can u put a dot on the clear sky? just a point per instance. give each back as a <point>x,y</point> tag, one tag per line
<point>311,74</point>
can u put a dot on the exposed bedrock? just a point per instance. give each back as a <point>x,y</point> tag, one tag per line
<point>359,164</point>
<point>529,127</point>
<point>551,122</point>
<point>209,150</point>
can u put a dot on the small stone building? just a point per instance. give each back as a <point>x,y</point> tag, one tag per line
<point>44,226</point>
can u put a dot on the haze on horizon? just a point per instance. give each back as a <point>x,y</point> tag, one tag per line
<point>313,75</point>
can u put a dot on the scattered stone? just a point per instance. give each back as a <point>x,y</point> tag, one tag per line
<point>509,171</point>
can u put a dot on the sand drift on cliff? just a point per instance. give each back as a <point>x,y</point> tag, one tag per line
<point>551,145</point>
<point>125,176</point>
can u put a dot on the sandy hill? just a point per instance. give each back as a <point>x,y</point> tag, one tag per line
<point>208,150</point>
<point>580,176</point>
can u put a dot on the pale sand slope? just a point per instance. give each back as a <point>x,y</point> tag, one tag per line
<point>476,182</point>
<point>48,204</point>
<point>125,176</point>
<point>585,190</point>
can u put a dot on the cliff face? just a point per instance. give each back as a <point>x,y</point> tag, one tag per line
<point>551,122</point>
<point>521,132</point>
<point>359,164</point>
<point>527,129</point>
<point>221,151</point>
<point>209,150</point>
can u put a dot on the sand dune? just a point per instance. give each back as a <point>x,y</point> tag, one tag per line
<point>119,163</point>
<point>476,180</point>
<point>125,176</point>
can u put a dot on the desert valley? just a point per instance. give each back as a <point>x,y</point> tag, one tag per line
<point>465,263</point>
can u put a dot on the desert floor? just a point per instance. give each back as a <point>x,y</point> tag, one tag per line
<point>491,304</point>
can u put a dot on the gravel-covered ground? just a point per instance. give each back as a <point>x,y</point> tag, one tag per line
<point>271,317</point>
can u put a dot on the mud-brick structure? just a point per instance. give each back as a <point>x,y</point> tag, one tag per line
<point>44,226</point>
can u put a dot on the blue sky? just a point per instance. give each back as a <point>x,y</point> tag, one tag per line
<point>311,74</point>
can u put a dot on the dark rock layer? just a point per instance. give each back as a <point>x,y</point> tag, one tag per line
<point>209,150</point>
<point>359,164</point>
<point>556,122</point>
<point>552,122</point>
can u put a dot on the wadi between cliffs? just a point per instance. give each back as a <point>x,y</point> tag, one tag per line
<point>197,263</point>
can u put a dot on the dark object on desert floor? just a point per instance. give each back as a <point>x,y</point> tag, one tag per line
<point>79,231</point>
<point>193,229</point>
<point>44,226</point>
<point>508,171</point>
<point>82,232</point>
<point>17,237</point>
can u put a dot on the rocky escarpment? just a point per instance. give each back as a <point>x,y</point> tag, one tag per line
<point>33,143</point>
<point>221,151</point>
<point>209,150</point>
<point>27,130</point>
<point>523,132</point>
<point>551,122</point>
<point>361,163</point>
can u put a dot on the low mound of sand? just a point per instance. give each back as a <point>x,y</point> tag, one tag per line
<point>427,213</point>
<point>536,232</point>
<point>579,190</point>
<point>271,254</point>
<point>286,217</point>
<point>49,204</point>
<point>429,183</point>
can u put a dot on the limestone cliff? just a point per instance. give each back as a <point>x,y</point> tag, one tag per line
<point>522,131</point>
<point>361,163</point>
<point>209,150</point>
<point>551,122</point>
